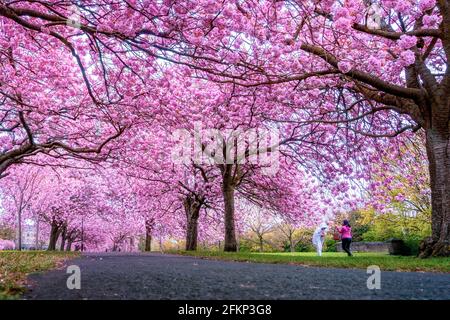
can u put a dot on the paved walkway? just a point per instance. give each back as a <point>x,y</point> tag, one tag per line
<point>158,276</point>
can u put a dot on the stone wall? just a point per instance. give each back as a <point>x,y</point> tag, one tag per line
<point>366,247</point>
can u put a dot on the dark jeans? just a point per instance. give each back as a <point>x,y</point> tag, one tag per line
<point>346,245</point>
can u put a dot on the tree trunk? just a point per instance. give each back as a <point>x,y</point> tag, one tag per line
<point>438,151</point>
<point>54,234</point>
<point>261,244</point>
<point>291,244</point>
<point>63,238</point>
<point>192,210</point>
<point>148,239</point>
<point>19,236</point>
<point>36,244</point>
<point>230,232</point>
<point>161,244</point>
<point>69,245</point>
<point>63,243</point>
<point>131,244</point>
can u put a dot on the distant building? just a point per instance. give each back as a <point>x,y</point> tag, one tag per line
<point>28,236</point>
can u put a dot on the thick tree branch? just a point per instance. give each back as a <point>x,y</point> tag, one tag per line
<point>436,33</point>
<point>356,74</point>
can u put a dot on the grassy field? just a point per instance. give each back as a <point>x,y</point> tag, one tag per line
<point>15,266</point>
<point>332,259</point>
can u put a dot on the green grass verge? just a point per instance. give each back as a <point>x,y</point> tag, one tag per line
<point>15,266</point>
<point>332,260</point>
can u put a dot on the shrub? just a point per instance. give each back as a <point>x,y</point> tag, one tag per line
<point>7,245</point>
<point>303,246</point>
<point>413,244</point>
<point>330,245</point>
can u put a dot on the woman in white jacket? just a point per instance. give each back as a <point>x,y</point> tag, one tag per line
<point>319,237</point>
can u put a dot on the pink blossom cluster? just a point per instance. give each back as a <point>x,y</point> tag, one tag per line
<point>7,245</point>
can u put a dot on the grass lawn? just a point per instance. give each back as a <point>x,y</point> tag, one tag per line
<point>332,259</point>
<point>15,266</point>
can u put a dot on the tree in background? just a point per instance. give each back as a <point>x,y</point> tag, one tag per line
<point>400,199</point>
<point>6,232</point>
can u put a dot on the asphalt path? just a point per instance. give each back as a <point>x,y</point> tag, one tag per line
<point>162,276</point>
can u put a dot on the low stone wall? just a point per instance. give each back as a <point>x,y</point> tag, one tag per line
<point>366,247</point>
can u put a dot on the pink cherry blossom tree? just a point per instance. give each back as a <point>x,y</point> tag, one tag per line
<point>340,81</point>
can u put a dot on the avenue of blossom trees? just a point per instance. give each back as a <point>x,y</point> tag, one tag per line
<point>96,98</point>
